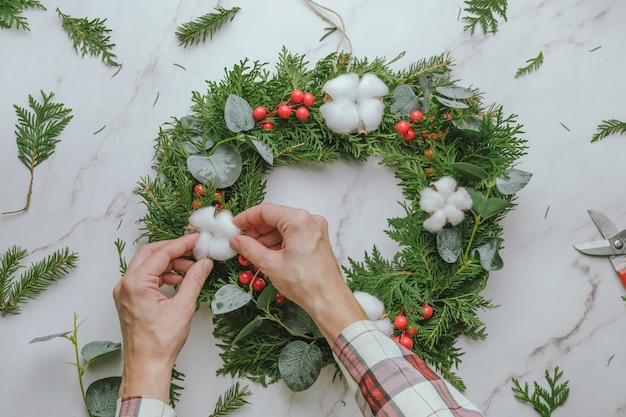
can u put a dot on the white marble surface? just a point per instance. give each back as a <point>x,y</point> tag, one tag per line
<point>558,308</point>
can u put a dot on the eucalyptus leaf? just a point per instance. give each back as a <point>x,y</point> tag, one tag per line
<point>299,364</point>
<point>197,143</point>
<point>492,206</point>
<point>449,242</point>
<point>249,328</point>
<point>469,123</point>
<point>49,337</point>
<point>264,150</point>
<point>94,350</point>
<point>425,86</point>
<point>299,321</point>
<point>477,198</point>
<point>238,114</point>
<point>266,297</point>
<point>222,168</point>
<point>403,100</point>
<point>453,104</point>
<point>229,298</point>
<point>101,396</point>
<point>516,181</point>
<point>190,122</point>
<point>470,171</point>
<point>489,257</point>
<point>456,93</point>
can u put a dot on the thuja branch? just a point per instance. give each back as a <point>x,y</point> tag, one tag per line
<point>11,13</point>
<point>533,65</point>
<point>233,399</point>
<point>37,134</point>
<point>543,401</point>
<point>609,127</point>
<point>484,14</point>
<point>198,30</point>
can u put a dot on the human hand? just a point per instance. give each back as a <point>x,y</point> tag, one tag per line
<point>154,327</point>
<point>293,249</point>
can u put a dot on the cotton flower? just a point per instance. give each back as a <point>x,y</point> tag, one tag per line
<point>374,309</point>
<point>445,203</point>
<point>216,230</point>
<point>353,103</point>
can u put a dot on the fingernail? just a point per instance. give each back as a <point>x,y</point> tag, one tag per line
<point>235,244</point>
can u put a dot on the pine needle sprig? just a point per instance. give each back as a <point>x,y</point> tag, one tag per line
<point>542,400</point>
<point>609,127</point>
<point>37,134</point>
<point>89,37</point>
<point>198,30</point>
<point>233,399</point>
<point>484,13</point>
<point>176,389</point>
<point>533,65</point>
<point>11,13</point>
<point>39,276</point>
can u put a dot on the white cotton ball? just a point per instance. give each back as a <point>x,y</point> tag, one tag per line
<point>215,233</point>
<point>344,86</point>
<point>385,326</point>
<point>224,226</point>
<point>460,199</point>
<point>220,250</point>
<point>435,222</point>
<point>431,200</point>
<point>203,218</point>
<point>371,113</point>
<point>341,116</point>
<point>201,249</point>
<point>445,185</point>
<point>372,306</point>
<point>453,214</point>
<point>371,86</point>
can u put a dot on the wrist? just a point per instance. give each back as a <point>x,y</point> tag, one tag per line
<point>335,312</point>
<point>141,378</point>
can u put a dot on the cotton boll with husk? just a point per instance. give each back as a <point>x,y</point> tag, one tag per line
<point>216,229</point>
<point>344,86</point>
<point>460,199</point>
<point>371,113</point>
<point>431,200</point>
<point>435,222</point>
<point>445,203</point>
<point>371,86</point>
<point>372,306</point>
<point>340,115</point>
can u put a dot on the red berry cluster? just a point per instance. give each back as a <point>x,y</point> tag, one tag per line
<point>298,100</point>
<point>255,278</point>
<point>408,130</point>
<point>199,190</point>
<point>407,332</point>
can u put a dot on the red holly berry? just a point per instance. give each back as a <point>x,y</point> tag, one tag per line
<point>259,113</point>
<point>417,115</point>
<point>427,311</point>
<point>297,96</point>
<point>410,331</point>
<point>269,125</point>
<point>409,135</point>
<point>196,204</point>
<point>430,172</point>
<point>447,116</point>
<point>258,284</point>
<point>218,195</point>
<point>199,189</point>
<point>280,298</point>
<point>402,127</point>
<point>243,261</point>
<point>441,133</point>
<point>284,111</point>
<point>302,113</point>
<point>428,153</point>
<point>406,341</point>
<point>308,99</point>
<point>425,134</point>
<point>245,277</point>
<point>395,339</point>
<point>400,322</point>
<point>434,136</point>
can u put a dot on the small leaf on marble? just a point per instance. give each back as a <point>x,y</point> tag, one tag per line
<point>299,364</point>
<point>238,114</point>
<point>49,337</point>
<point>222,168</point>
<point>489,257</point>
<point>229,298</point>
<point>515,182</point>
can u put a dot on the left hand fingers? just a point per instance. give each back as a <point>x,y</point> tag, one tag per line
<point>157,258</point>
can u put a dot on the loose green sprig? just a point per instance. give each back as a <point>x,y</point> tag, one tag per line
<point>542,400</point>
<point>37,133</point>
<point>232,400</point>
<point>484,14</point>
<point>175,388</point>
<point>89,37</point>
<point>533,65</point>
<point>198,30</point>
<point>39,276</point>
<point>609,127</point>
<point>11,13</point>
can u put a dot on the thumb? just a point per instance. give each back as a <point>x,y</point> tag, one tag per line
<point>253,251</point>
<point>193,281</point>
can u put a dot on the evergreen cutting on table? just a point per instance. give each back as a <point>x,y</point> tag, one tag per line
<point>544,401</point>
<point>439,138</point>
<point>11,13</point>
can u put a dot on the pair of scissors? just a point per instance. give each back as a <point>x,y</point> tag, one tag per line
<point>613,245</point>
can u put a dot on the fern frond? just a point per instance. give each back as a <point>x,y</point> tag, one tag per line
<point>197,30</point>
<point>608,128</point>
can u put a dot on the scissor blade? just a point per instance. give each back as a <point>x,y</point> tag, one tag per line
<point>606,227</point>
<point>597,248</point>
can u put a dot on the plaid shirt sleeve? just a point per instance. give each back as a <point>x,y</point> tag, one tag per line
<point>389,380</point>
<point>138,406</point>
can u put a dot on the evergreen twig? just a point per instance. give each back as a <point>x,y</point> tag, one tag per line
<point>233,399</point>
<point>175,389</point>
<point>120,245</point>
<point>37,134</point>
<point>484,13</point>
<point>89,37</point>
<point>609,127</point>
<point>11,13</point>
<point>197,30</point>
<point>542,400</point>
<point>533,65</point>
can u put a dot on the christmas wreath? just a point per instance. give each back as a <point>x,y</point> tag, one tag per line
<point>454,158</point>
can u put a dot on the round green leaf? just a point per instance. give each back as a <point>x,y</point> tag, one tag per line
<point>299,321</point>
<point>94,350</point>
<point>49,337</point>
<point>300,364</point>
<point>453,104</point>
<point>456,93</point>
<point>470,171</point>
<point>229,298</point>
<point>190,122</point>
<point>469,123</point>
<point>248,329</point>
<point>492,206</point>
<point>197,144</point>
<point>101,396</point>
<point>514,181</point>
<point>238,114</point>
<point>449,242</point>
<point>222,168</point>
<point>264,150</point>
<point>403,100</point>
<point>266,297</point>
<point>489,257</point>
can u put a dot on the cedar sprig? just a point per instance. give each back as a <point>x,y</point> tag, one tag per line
<point>120,245</point>
<point>533,65</point>
<point>484,14</point>
<point>176,389</point>
<point>543,400</point>
<point>11,13</point>
<point>37,134</point>
<point>37,277</point>
<point>89,37</point>
<point>233,399</point>
<point>198,30</point>
<point>609,127</point>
